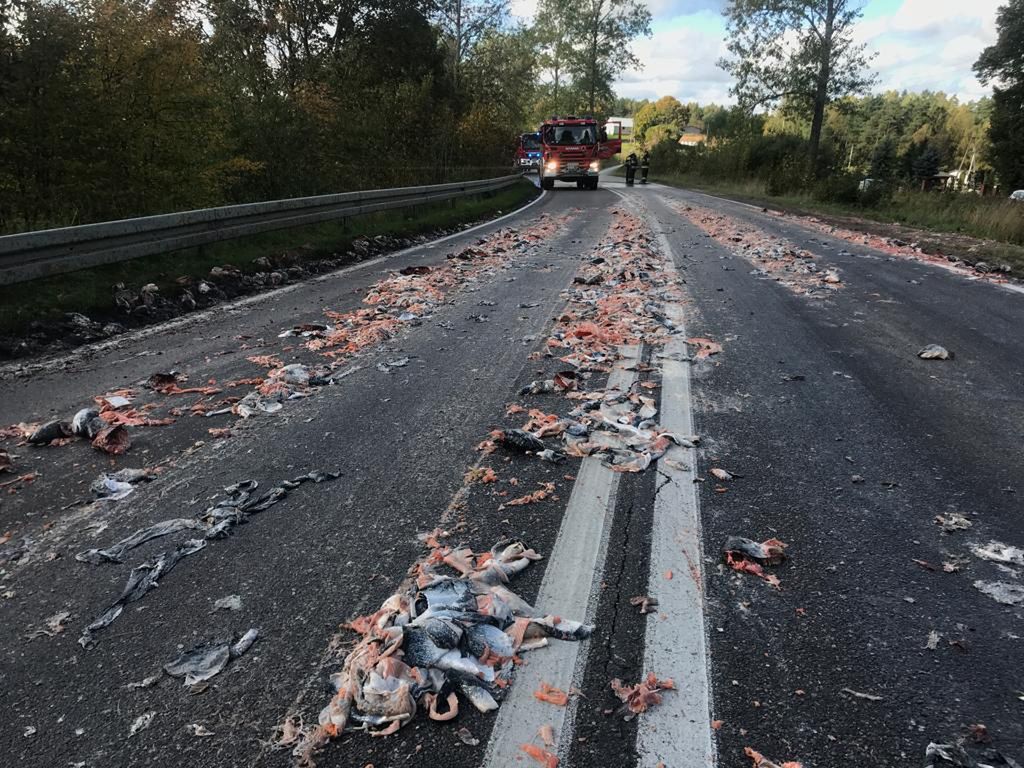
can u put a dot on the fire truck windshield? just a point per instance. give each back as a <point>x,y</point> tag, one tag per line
<point>531,141</point>
<point>571,134</point>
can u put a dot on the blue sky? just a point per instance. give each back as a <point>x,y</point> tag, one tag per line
<point>920,45</point>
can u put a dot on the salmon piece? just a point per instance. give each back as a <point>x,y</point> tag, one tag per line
<point>705,347</point>
<point>253,382</point>
<point>267,361</point>
<point>453,707</point>
<point>461,560</point>
<point>174,389</point>
<point>746,566</point>
<point>541,756</point>
<point>548,693</point>
<point>760,761</point>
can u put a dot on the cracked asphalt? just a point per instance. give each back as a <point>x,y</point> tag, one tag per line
<point>844,444</point>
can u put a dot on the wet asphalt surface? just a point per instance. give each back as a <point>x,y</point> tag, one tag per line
<point>854,610</point>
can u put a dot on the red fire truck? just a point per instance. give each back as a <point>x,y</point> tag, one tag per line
<point>573,149</point>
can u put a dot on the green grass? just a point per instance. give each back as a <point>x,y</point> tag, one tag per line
<point>947,220</point>
<point>91,291</point>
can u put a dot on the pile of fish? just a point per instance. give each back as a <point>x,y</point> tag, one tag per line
<point>618,298</point>
<point>404,298</point>
<point>443,635</point>
<point>896,247</point>
<point>771,256</point>
<point>618,426</point>
<point>624,288</point>
<point>412,294</point>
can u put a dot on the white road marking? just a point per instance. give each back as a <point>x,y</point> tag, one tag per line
<point>89,350</point>
<point>571,582</point>
<point>676,734</point>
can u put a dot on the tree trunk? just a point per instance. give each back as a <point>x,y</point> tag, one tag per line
<point>821,88</point>
<point>593,64</point>
<point>457,64</point>
<point>557,76</point>
<point>820,101</point>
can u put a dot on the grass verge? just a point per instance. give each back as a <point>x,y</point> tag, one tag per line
<point>970,228</point>
<point>91,291</point>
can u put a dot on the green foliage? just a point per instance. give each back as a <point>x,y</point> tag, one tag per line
<point>797,52</point>
<point>843,188</point>
<point>626,107</point>
<point>584,46</point>
<point>667,114</point>
<point>926,163</point>
<point>658,134</point>
<point>1007,136</point>
<point>897,139</point>
<point>885,136</point>
<point>885,161</point>
<point>119,108</point>
<point>1003,65</point>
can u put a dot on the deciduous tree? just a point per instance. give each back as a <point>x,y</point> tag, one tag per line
<point>667,111</point>
<point>1002,64</point>
<point>603,31</point>
<point>800,50</point>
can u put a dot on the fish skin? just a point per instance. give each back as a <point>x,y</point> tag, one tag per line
<point>522,441</point>
<point>515,603</point>
<point>478,697</point>
<point>454,660</point>
<point>443,632</point>
<point>450,594</point>
<point>419,648</point>
<point>481,638</point>
<point>562,630</point>
<point>52,430</point>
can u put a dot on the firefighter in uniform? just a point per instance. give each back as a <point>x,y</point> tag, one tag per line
<point>631,164</point>
<point>645,166</point>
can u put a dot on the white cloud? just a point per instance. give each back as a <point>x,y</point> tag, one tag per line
<point>523,9</point>
<point>921,45</point>
<point>679,60</point>
<point>931,45</point>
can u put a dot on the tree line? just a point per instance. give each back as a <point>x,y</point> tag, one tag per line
<point>803,121</point>
<point>899,137</point>
<point>118,108</point>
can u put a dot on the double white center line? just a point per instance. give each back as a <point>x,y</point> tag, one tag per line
<point>677,733</point>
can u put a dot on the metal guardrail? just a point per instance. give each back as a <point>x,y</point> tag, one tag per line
<point>54,251</point>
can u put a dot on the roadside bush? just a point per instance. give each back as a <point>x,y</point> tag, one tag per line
<point>838,188</point>
<point>788,178</point>
<point>875,195</point>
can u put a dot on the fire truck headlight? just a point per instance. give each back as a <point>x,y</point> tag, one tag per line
<point>552,165</point>
<point>595,165</point>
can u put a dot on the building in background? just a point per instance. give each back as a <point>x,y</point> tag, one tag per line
<point>612,126</point>
<point>692,136</point>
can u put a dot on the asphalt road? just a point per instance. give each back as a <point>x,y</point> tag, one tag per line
<point>842,442</point>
